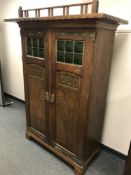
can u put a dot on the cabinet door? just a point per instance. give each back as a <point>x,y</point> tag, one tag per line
<point>36,82</point>
<point>71,68</point>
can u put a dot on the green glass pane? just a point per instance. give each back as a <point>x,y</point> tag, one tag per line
<point>79,47</point>
<point>35,43</point>
<point>60,56</point>
<point>60,45</point>
<point>41,53</point>
<point>35,52</point>
<point>29,51</point>
<point>41,43</point>
<point>78,59</point>
<point>69,46</point>
<point>29,42</point>
<point>69,57</point>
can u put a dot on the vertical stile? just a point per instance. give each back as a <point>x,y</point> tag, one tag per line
<point>51,12</point>
<point>86,9</point>
<point>63,11</point>
<point>26,13</point>
<point>48,11</point>
<point>38,13</point>
<point>81,8</point>
<point>95,6</point>
<point>67,10</point>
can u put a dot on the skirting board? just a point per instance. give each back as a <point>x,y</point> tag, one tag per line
<point>14,98</point>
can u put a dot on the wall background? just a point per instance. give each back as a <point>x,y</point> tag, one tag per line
<point>117,126</point>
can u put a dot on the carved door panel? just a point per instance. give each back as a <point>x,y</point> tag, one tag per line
<point>71,68</point>
<point>36,85</point>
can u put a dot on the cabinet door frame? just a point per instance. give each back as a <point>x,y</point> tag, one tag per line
<point>44,64</point>
<point>84,71</point>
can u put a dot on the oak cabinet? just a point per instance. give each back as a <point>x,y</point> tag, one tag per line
<point>57,71</point>
<point>66,64</point>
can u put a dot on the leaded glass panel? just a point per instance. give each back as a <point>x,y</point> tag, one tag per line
<point>70,51</point>
<point>78,58</point>
<point>69,46</point>
<point>35,47</point>
<point>69,57</point>
<point>29,42</point>
<point>61,45</point>
<point>41,53</point>
<point>79,47</point>
<point>60,56</point>
<point>29,51</point>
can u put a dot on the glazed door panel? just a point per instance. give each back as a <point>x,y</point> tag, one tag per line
<point>36,77</point>
<point>70,89</point>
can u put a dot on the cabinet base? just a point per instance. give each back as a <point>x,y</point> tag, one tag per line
<point>28,136</point>
<point>78,169</point>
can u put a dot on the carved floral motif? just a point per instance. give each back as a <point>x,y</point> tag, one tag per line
<point>68,80</point>
<point>36,71</point>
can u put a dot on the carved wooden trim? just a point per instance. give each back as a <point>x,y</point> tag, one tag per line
<point>36,71</point>
<point>68,80</point>
<point>29,33</point>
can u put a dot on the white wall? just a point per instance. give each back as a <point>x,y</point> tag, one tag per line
<point>117,127</point>
<point>10,51</point>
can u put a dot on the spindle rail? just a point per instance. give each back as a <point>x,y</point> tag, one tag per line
<point>65,9</point>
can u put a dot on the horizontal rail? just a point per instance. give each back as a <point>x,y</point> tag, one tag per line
<point>61,6</point>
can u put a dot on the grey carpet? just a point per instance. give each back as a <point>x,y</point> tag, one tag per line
<point>19,156</point>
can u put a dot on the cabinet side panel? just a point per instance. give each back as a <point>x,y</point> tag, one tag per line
<point>98,90</point>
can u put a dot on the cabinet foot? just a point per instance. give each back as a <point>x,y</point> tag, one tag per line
<point>79,170</point>
<point>28,137</point>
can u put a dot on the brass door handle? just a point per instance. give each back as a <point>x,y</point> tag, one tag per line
<point>52,98</point>
<point>47,96</point>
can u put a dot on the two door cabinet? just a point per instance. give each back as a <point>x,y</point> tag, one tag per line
<point>66,64</point>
